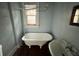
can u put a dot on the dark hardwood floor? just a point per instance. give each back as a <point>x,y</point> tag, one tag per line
<point>24,50</point>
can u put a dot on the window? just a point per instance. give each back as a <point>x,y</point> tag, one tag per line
<point>31,15</point>
<point>75,16</point>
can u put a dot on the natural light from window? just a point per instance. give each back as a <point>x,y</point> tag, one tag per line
<point>31,14</point>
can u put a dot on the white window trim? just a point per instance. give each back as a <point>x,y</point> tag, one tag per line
<point>37,21</point>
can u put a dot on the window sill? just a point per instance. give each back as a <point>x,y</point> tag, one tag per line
<point>32,26</point>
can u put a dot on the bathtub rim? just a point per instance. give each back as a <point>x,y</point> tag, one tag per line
<point>24,37</point>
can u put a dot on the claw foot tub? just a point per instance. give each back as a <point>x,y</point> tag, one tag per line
<point>36,39</point>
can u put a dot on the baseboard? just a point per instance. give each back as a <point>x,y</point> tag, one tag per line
<point>13,50</point>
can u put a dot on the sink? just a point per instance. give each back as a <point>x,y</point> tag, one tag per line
<point>56,47</point>
<point>62,48</point>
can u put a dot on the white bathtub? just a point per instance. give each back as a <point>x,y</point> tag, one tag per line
<point>36,39</point>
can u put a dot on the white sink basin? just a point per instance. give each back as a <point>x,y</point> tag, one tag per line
<point>62,48</point>
<point>57,47</point>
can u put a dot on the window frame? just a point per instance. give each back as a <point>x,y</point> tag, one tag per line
<point>36,16</point>
<point>73,15</point>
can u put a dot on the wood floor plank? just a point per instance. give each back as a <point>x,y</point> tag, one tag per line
<point>24,50</point>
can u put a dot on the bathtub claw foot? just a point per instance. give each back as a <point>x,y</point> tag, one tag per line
<point>40,47</point>
<point>29,46</point>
